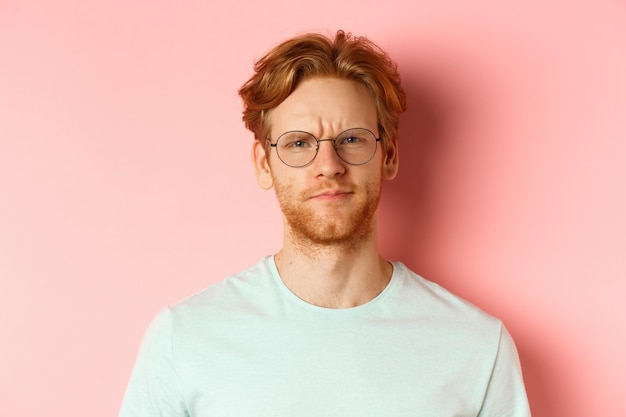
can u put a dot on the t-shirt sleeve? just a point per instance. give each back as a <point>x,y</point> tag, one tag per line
<point>506,395</point>
<point>154,387</point>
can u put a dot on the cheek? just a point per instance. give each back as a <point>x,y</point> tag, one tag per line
<point>284,189</point>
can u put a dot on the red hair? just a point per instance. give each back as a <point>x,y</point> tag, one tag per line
<point>280,71</point>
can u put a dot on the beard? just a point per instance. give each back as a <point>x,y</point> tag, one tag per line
<point>341,224</point>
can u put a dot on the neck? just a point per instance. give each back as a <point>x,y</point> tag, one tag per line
<point>341,275</point>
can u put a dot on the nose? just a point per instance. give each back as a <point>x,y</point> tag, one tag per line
<point>327,163</point>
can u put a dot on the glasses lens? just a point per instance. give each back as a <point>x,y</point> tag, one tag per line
<point>296,148</point>
<point>356,146</point>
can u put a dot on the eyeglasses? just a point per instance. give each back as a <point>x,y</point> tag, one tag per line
<point>297,148</point>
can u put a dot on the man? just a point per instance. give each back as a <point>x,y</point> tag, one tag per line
<point>327,326</point>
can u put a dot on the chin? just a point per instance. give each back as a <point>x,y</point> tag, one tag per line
<point>330,235</point>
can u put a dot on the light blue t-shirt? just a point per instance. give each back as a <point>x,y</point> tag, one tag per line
<point>248,347</point>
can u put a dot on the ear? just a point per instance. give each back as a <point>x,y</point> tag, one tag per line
<point>261,165</point>
<point>390,161</point>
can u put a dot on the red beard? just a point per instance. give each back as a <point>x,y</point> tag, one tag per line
<point>345,223</point>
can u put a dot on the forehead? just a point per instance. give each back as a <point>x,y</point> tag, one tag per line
<point>325,106</point>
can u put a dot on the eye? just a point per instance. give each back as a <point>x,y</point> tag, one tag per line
<point>296,142</point>
<point>352,140</point>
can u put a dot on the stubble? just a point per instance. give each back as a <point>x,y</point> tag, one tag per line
<point>344,226</point>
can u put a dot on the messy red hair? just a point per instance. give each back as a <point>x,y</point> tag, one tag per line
<point>280,71</point>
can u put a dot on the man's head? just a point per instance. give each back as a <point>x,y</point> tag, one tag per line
<point>279,72</point>
<point>345,92</point>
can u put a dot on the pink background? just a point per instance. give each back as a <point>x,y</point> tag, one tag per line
<point>126,182</point>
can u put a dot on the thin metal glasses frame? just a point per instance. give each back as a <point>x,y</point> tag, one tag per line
<point>275,146</point>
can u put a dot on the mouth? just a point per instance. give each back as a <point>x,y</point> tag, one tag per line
<point>331,195</point>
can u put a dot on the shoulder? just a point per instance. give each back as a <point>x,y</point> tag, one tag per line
<point>442,308</point>
<point>224,301</point>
